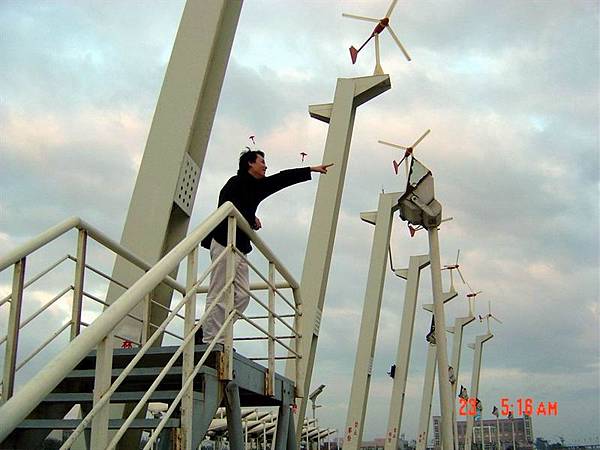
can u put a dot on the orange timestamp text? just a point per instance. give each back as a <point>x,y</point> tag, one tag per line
<point>524,406</point>
<point>528,406</point>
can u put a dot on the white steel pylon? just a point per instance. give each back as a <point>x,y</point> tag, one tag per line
<point>349,94</point>
<point>429,382</point>
<point>419,207</point>
<point>457,329</point>
<point>167,182</point>
<point>474,392</point>
<point>367,338</point>
<point>478,347</point>
<point>412,276</point>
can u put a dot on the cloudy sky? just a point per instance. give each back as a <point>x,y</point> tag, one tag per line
<point>508,88</point>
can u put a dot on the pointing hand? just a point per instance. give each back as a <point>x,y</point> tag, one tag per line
<point>321,169</point>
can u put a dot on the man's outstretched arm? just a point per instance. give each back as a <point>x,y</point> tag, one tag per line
<point>289,177</point>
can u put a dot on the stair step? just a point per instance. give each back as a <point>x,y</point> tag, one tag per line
<point>154,357</point>
<point>137,372</point>
<point>84,397</point>
<point>70,424</point>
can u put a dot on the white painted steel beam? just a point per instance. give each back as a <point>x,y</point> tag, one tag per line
<point>367,338</point>
<point>427,396</point>
<point>459,325</point>
<point>429,382</point>
<point>412,276</point>
<point>446,401</point>
<point>12,335</point>
<point>187,402</point>
<point>161,203</point>
<point>349,94</point>
<point>474,392</point>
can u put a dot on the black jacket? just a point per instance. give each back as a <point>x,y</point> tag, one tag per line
<point>246,192</point>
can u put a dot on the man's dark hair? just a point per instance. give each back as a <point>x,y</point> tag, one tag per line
<point>247,157</point>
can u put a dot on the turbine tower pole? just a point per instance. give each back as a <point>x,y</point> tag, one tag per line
<point>412,276</point>
<point>478,347</point>
<point>369,324</point>
<point>459,324</point>
<point>419,207</point>
<point>349,94</point>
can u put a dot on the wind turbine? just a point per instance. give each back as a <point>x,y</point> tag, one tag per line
<point>471,297</point>
<point>408,151</point>
<point>456,267</point>
<point>382,24</point>
<point>489,316</point>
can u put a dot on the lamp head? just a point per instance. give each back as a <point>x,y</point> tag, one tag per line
<point>316,392</point>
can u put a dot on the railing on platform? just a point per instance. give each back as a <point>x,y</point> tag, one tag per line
<point>18,259</point>
<point>99,333</point>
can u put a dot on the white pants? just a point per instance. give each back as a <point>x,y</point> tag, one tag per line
<point>216,317</point>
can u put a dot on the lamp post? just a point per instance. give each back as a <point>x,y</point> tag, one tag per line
<point>512,424</point>
<point>496,413</point>
<point>419,207</point>
<point>313,399</point>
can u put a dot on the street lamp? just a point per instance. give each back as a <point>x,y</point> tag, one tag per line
<point>313,399</point>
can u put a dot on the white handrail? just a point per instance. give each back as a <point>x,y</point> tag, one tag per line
<point>138,356</point>
<point>39,311</point>
<point>37,277</point>
<point>76,222</point>
<point>32,393</point>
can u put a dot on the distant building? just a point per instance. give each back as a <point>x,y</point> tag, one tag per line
<point>522,426</point>
<point>379,443</point>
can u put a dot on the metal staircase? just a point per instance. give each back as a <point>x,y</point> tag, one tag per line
<point>192,380</point>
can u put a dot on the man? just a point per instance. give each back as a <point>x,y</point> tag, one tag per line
<point>245,190</point>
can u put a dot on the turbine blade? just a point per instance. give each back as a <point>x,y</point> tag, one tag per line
<point>392,145</point>
<point>470,288</point>
<point>457,255</point>
<point>497,320</point>
<point>406,55</point>
<point>461,277</point>
<point>353,16</point>
<point>421,138</point>
<point>391,8</point>
<point>490,307</point>
<point>406,166</point>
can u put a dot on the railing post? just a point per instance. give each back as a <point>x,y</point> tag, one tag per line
<point>78,286</point>
<point>187,402</point>
<point>146,318</point>
<point>226,358</point>
<point>298,327</point>
<point>270,375</point>
<point>12,336</point>
<point>104,355</point>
